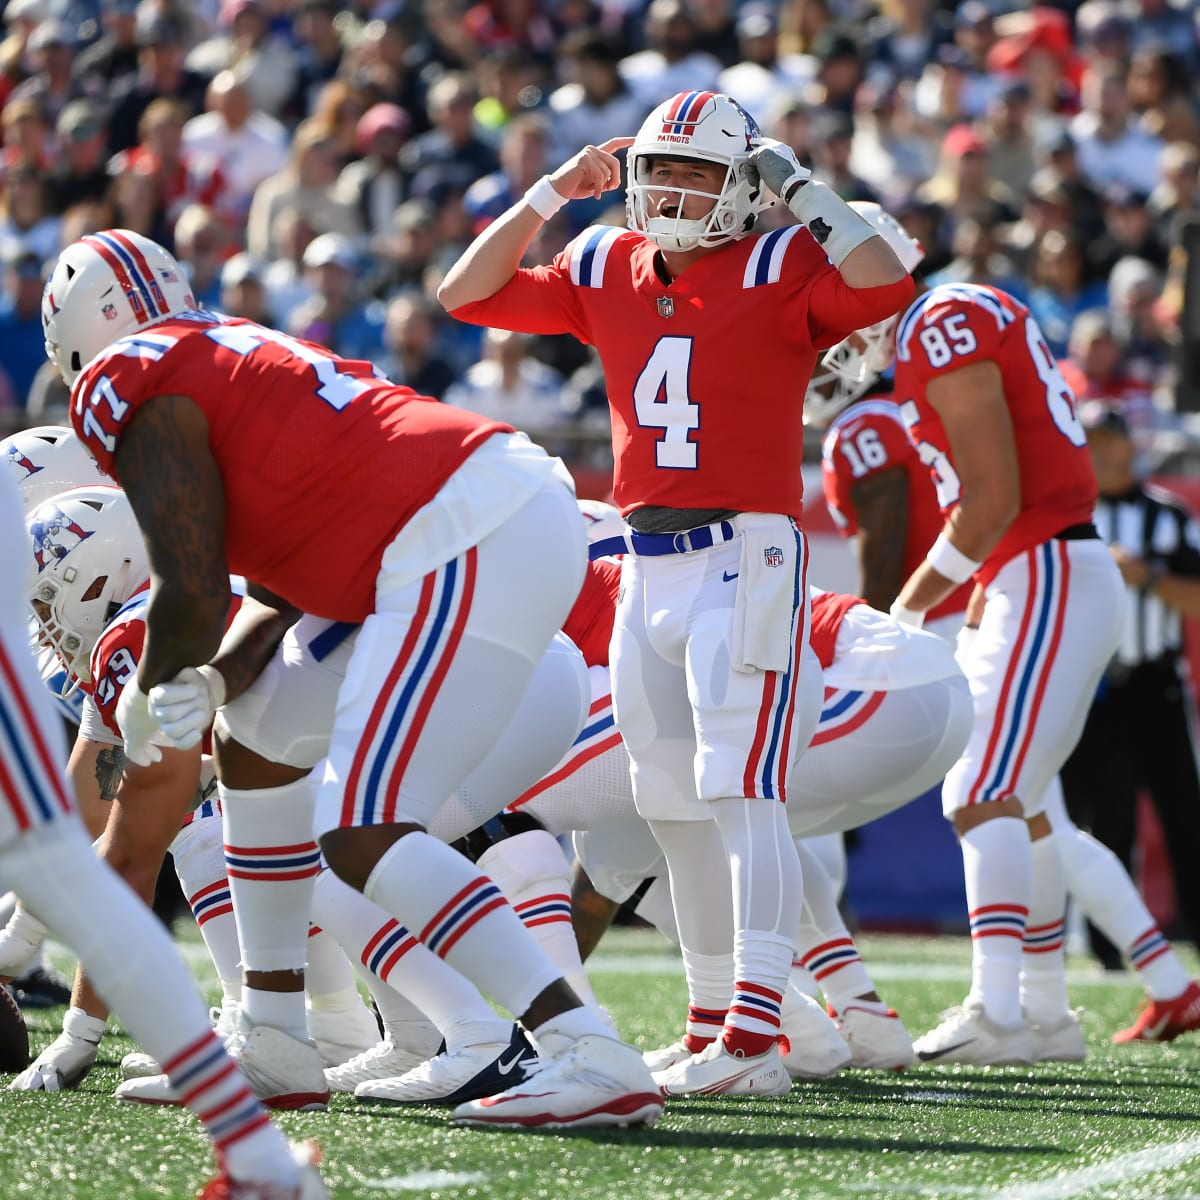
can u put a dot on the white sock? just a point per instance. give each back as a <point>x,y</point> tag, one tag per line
<point>391,954</point>
<point>998,872</point>
<point>328,972</point>
<point>272,862</point>
<point>136,969</point>
<point>824,946</point>
<point>198,852</point>
<point>1043,971</point>
<point>1098,880</point>
<point>533,873</point>
<point>462,916</point>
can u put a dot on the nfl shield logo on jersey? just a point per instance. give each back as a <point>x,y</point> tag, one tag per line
<point>666,306</point>
<point>773,556</point>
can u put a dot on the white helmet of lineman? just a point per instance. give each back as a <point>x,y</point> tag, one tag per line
<point>103,287</point>
<point>712,127</point>
<point>88,560</point>
<point>847,370</point>
<point>47,460</point>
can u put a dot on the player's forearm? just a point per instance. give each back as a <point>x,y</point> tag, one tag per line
<point>492,259</point>
<point>250,643</point>
<point>971,533</point>
<point>182,630</point>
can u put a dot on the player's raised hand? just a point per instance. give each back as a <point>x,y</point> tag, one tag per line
<point>592,172</point>
<point>775,163</point>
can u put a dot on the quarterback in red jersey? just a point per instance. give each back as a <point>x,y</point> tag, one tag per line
<point>706,332</point>
<point>993,420</point>
<point>349,498</point>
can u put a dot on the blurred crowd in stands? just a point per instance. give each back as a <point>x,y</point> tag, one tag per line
<point>317,164</point>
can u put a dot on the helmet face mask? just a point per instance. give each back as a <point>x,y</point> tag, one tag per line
<point>103,287</point>
<point>705,126</point>
<point>847,371</point>
<point>87,559</point>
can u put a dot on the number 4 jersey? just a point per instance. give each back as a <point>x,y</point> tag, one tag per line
<point>955,325</point>
<point>706,374</point>
<point>323,462</point>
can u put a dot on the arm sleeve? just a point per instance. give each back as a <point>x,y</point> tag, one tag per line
<point>93,727</point>
<point>836,309</point>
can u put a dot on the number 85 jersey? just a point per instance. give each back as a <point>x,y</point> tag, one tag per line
<point>705,374</point>
<point>955,325</point>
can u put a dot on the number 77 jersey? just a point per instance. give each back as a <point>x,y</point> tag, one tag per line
<point>955,325</point>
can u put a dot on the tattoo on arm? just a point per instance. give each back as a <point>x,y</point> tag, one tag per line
<point>167,470</point>
<point>110,766</point>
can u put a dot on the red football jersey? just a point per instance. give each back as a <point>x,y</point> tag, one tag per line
<point>322,460</point>
<point>955,325</point>
<point>589,624</point>
<point>705,375</point>
<point>118,651</point>
<point>828,609</point>
<point>868,437</point>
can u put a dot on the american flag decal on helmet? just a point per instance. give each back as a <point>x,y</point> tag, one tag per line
<point>685,111</point>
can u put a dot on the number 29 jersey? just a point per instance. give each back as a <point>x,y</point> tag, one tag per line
<point>706,374</point>
<point>955,325</point>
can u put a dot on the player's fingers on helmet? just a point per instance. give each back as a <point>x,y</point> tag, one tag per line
<point>614,144</point>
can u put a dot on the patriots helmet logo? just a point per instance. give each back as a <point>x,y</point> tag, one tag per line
<point>21,462</point>
<point>54,535</point>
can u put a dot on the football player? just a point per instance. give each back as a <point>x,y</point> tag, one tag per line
<point>126,950</point>
<point>452,540</point>
<point>993,420</point>
<point>879,492</point>
<point>704,330</point>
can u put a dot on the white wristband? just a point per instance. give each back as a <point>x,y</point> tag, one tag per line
<point>544,198</point>
<point>906,616</point>
<point>835,226</point>
<point>216,684</point>
<point>947,559</point>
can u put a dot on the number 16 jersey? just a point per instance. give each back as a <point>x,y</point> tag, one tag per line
<point>706,374</point>
<point>955,325</point>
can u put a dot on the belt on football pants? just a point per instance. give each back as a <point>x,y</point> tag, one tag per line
<point>1085,531</point>
<point>650,544</point>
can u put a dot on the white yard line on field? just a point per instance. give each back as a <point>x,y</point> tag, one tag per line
<point>423,1181</point>
<point>1120,1169</point>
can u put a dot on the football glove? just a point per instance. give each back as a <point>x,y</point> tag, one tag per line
<point>67,1060</point>
<point>776,165</point>
<point>184,706</point>
<point>144,738</point>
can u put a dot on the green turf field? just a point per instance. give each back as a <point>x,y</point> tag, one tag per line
<point>1124,1124</point>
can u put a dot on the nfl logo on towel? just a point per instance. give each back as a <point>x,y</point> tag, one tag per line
<point>773,556</point>
<point>666,306</point>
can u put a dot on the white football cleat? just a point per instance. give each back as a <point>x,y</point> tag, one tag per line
<point>66,1062</point>
<point>456,1076</point>
<point>596,1081</point>
<point>385,1060</point>
<point>341,1034</point>
<point>716,1072</point>
<point>282,1071</point>
<point>967,1035</point>
<point>878,1040</point>
<point>666,1056</point>
<point>809,1040</point>
<point>311,1186</point>
<point>137,1064</point>
<point>20,941</point>
<point>1057,1040</point>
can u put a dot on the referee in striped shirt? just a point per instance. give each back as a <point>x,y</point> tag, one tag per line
<point>1140,729</point>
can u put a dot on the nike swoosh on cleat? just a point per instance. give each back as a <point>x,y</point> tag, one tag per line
<point>504,1067</point>
<point>930,1055</point>
<point>1153,1033</point>
<point>725,575</point>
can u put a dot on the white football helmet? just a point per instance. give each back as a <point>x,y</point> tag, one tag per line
<point>88,558</point>
<point>712,127</point>
<point>104,286</point>
<point>847,370</point>
<point>49,459</point>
